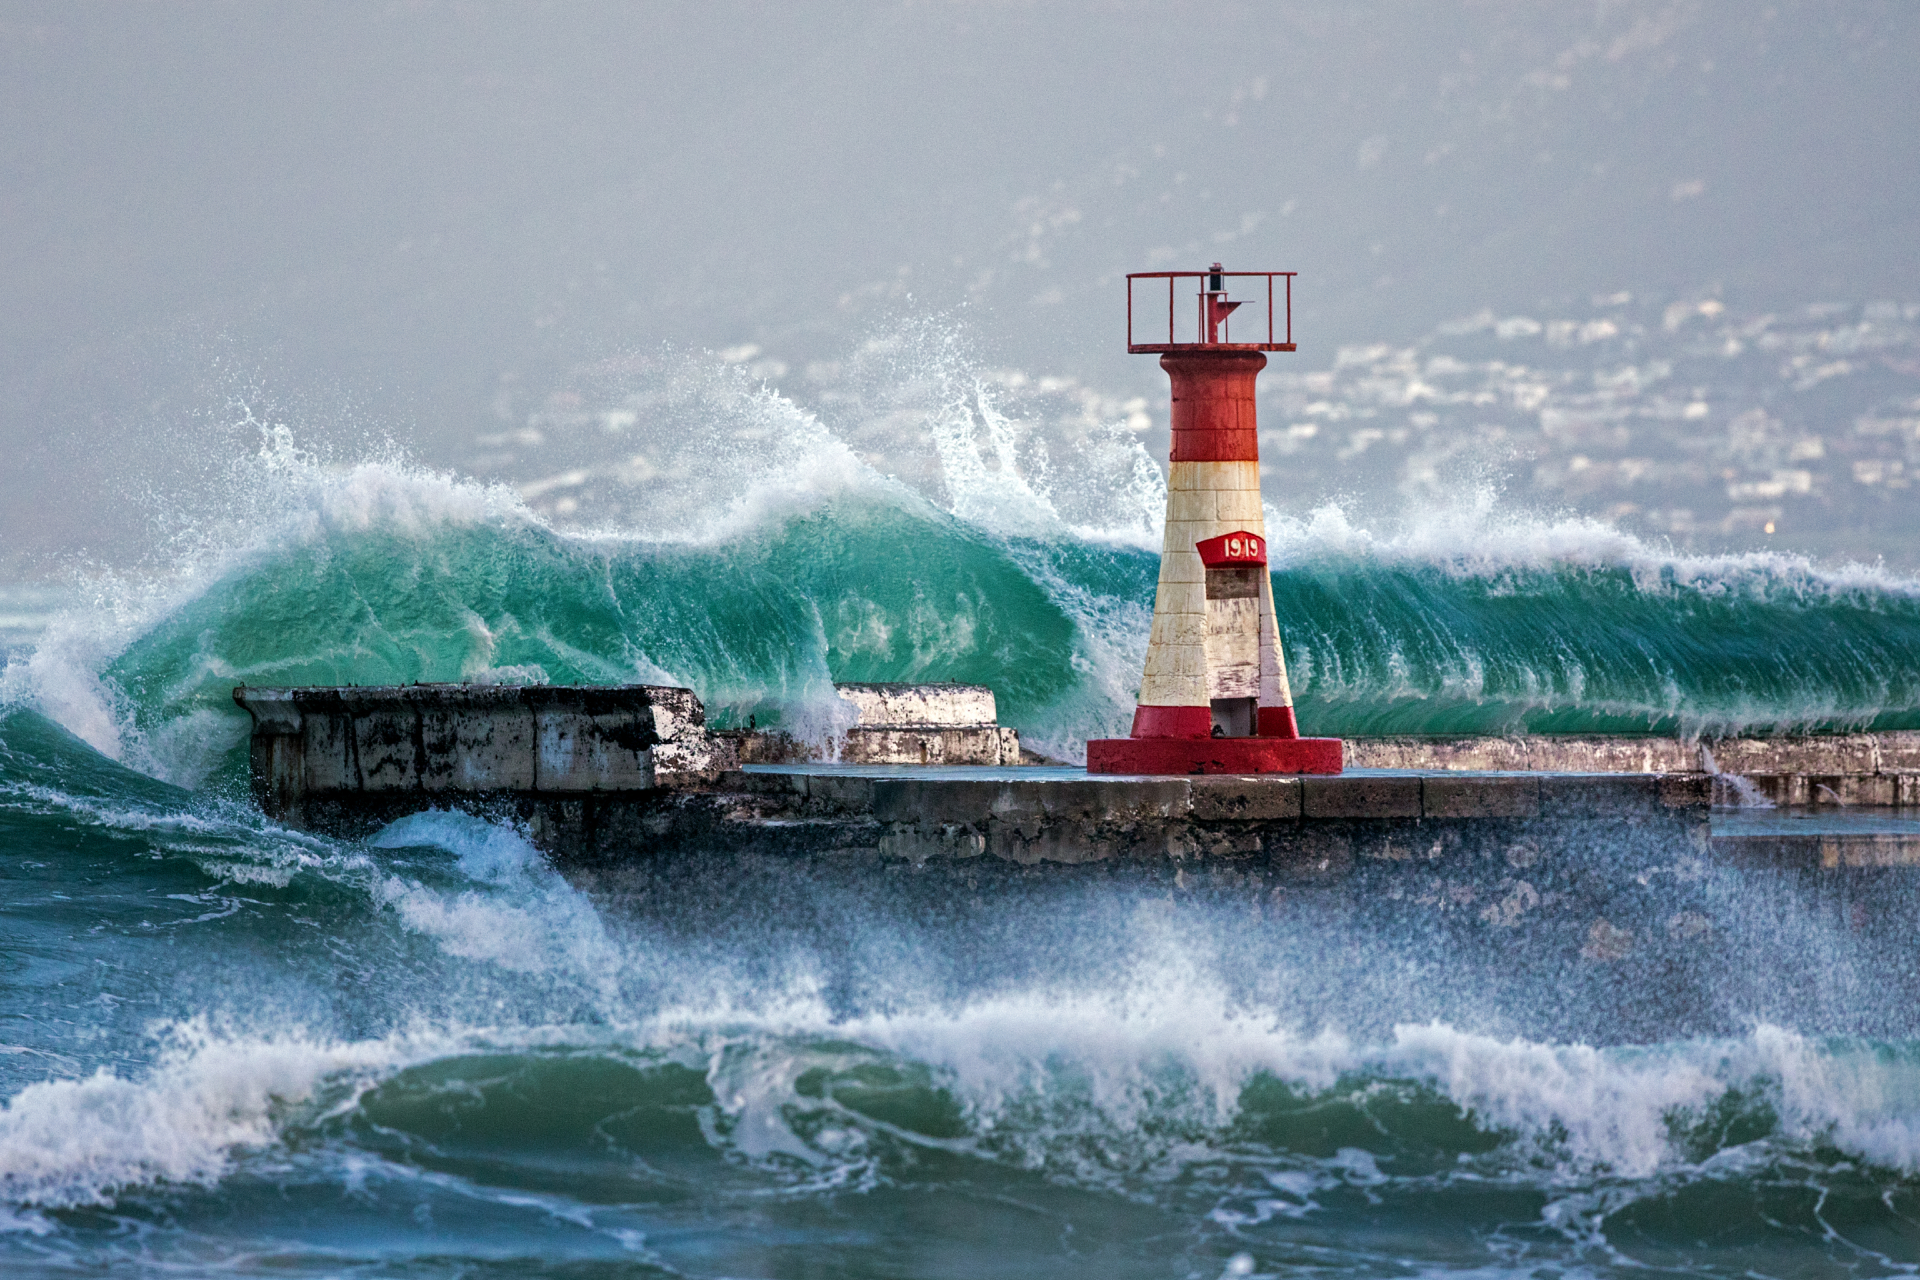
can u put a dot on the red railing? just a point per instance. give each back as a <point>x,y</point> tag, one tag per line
<point>1211,303</point>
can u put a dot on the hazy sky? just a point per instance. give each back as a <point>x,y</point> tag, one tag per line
<point>375,212</point>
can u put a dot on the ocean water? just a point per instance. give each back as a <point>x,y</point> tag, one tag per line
<point>230,1048</point>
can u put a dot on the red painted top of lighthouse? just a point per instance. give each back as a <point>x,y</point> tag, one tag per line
<point>1212,311</point>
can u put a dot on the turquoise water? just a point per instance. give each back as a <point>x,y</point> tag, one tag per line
<point>230,1048</point>
<point>382,576</point>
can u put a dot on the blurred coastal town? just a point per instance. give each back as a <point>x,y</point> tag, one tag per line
<point>1688,421</point>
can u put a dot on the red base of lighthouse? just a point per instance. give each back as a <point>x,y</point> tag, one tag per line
<point>1215,755</point>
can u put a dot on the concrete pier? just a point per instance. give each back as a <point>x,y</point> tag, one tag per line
<point>1875,769</point>
<point>632,772</point>
<point>931,724</point>
<point>349,759</point>
<point>1274,824</point>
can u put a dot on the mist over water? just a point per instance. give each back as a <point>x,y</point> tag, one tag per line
<point>442,1049</point>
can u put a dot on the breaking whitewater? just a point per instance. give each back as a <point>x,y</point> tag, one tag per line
<point>229,1047</point>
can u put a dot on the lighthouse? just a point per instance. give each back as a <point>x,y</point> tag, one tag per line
<point>1214,695</point>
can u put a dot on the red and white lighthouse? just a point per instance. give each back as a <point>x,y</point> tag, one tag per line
<point>1214,697</point>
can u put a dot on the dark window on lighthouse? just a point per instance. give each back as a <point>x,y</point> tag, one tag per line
<point>1233,582</point>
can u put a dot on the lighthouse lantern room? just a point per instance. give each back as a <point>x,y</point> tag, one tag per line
<point>1214,697</point>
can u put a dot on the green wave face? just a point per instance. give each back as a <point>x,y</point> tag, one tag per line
<point>863,588</point>
<point>1739,645</point>
<point>760,627</point>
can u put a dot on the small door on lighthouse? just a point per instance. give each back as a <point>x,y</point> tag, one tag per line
<point>1235,564</point>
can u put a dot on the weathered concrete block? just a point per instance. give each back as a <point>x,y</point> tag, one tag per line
<point>482,744</point>
<point>385,744</point>
<point>693,758</point>
<point>1549,752</point>
<point>601,739</point>
<point>275,762</point>
<point>1596,794</point>
<point>448,739</point>
<point>1897,752</point>
<point>842,793</point>
<point>1360,796</point>
<point>907,705</point>
<point>479,739</point>
<point>1436,753</point>
<point>1850,789</point>
<point>656,712</point>
<point>1500,796</point>
<point>1611,755</point>
<point>1011,752</point>
<point>673,718</point>
<point>1234,798</point>
<point>1686,790</point>
<point>974,744</point>
<point>327,751</point>
<point>925,724</point>
<point>1827,754</point>
<point>274,712</point>
<point>1120,800</point>
<point>575,751</point>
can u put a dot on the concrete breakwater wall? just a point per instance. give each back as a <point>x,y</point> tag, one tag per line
<point>630,771</point>
<point>1827,769</point>
<point>1285,824</point>
<point>446,739</point>
<point>468,738</point>
<point>930,724</point>
<point>633,771</point>
<point>344,758</point>
<point>352,755</point>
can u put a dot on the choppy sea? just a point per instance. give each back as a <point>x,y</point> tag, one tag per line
<point>231,1048</point>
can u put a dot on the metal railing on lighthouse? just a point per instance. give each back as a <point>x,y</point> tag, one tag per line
<point>1212,310</point>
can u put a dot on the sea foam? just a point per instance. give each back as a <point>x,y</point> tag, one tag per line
<point>73,1142</point>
